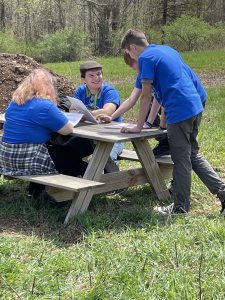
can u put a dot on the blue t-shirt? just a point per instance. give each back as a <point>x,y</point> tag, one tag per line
<point>197,83</point>
<point>108,94</point>
<point>138,83</point>
<point>32,122</point>
<point>172,82</point>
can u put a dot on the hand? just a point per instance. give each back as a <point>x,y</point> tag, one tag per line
<point>103,118</point>
<point>133,129</point>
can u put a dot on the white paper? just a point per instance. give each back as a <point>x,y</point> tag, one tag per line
<point>73,117</point>
<point>79,106</point>
<point>119,125</point>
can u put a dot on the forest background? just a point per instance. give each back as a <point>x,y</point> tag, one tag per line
<point>68,30</point>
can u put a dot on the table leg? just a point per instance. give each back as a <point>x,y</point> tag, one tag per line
<point>151,168</point>
<point>93,172</point>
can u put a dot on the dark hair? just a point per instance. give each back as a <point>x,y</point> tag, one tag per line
<point>83,72</point>
<point>133,36</point>
<point>89,65</point>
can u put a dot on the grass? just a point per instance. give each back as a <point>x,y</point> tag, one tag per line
<point>119,249</point>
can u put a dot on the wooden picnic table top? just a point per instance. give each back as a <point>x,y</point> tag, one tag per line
<point>100,132</point>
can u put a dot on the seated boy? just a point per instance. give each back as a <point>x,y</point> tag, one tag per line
<point>99,97</point>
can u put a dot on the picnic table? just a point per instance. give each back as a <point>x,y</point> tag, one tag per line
<point>104,139</point>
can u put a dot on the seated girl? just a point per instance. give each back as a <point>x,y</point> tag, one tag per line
<point>30,119</point>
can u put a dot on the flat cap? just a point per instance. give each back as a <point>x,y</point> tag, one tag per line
<point>88,65</point>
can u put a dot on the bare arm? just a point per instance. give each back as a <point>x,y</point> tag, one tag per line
<point>108,109</point>
<point>125,106</point>
<point>66,129</point>
<point>163,118</point>
<point>154,111</point>
<point>144,108</point>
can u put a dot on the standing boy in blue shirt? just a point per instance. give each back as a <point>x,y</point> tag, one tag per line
<point>163,71</point>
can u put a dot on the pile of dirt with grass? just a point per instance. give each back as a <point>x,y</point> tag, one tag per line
<point>14,68</point>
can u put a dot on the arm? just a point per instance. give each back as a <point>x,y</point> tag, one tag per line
<point>125,106</point>
<point>163,119</point>
<point>66,129</point>
<point>128,103</point>
<point>153,112</point>
<point>108,109</point>
<point>144,108</point>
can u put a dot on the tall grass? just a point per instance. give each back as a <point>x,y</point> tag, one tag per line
<point>119,249</point>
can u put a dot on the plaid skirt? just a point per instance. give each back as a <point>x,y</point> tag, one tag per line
<point>25,159</point>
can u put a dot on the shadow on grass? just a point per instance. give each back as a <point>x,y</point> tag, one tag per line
<point>131,208</point>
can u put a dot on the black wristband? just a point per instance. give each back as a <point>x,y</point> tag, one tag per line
<point>148,124</point>
<point>162,128</point>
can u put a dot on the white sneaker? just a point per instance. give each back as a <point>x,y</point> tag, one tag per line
<point>164,210</point>
<point>170,210</point>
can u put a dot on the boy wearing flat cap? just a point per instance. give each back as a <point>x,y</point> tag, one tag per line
<point>98,96</point>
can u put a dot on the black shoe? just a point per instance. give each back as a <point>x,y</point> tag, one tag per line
<point>51,201</point>
<point>35,190</point>
<point>162,148</point>
<point>222,212</point>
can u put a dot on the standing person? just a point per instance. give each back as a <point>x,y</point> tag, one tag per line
<point>99,97</point>
<point>153,118</point>
<point>163,71</point>
<point>30,119</point>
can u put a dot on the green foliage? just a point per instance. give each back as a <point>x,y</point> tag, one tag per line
<point>64,45</point>
<point>189,33</point>
<point>9,44</point>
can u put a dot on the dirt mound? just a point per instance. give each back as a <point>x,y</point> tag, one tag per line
<point>14,68</point>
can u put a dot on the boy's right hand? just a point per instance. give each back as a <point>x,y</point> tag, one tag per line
<point>102,118</point>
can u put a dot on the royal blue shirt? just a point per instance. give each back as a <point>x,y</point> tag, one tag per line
<point>32,122</point>
<point>197,83</point>
<point>172,82</point>
<point>108,94</point>
<point>138,83</point>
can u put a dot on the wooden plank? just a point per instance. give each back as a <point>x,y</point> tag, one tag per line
<point>128,178</point>
<point>101,133</point>
<point>62,181</point>
<point>132,155</point>
<point>93,172</point>
<point>151,168</point>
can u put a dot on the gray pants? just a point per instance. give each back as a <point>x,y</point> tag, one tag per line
<point>185,154</point>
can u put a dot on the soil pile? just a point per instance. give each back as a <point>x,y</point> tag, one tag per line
<point>14,68</point>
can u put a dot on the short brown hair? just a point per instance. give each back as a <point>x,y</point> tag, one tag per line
<point>133,36</point>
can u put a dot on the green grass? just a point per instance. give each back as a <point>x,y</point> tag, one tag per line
<point>119,249</point>
<point>205,60</point>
